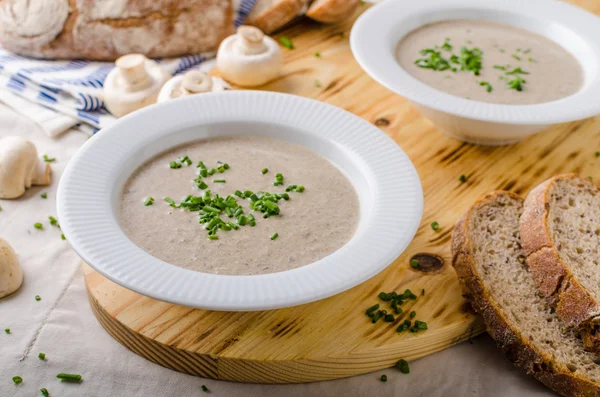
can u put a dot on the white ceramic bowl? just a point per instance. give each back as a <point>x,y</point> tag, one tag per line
<point>390,195</point>
<point>377,32</point>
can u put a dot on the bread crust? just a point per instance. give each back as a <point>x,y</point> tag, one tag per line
<point>574,304</point>
<point>331,11</point>
<point>517,348</point>
<point>277,16</point>
<point>107,29</point>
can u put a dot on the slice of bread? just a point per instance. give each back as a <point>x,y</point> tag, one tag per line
<point>560,230</point>
<point>492,269</point>
<point>331,11</point>
<point>270,15</point>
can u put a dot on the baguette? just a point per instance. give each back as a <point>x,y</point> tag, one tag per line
<point>560,229</point>
<point>491,267</point>
<point>107,29</point>
<point>331,11</point>
<point>270,15</point>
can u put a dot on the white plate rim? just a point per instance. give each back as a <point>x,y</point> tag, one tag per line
<point>86,213</point>
<point>370,42</point>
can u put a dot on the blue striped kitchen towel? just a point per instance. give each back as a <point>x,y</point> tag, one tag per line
<point>74,88</point>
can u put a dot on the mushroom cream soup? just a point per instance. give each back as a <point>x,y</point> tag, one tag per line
<point>239,205</point>
<point>490,62</point>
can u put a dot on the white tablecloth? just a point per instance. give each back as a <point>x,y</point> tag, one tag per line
<point>63,327</point>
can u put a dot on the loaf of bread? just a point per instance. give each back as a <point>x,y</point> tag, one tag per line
<point>560,229</point>
<point>492,267</point>
<point>107,29</point>
<point>270,15</point>
<point>331,11</point>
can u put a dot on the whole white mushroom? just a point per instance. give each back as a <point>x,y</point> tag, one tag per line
<point>249,58</point>
<point>20,167</point>
<point>134,83</point>
<point>192,82</point>
<point>11,275</point>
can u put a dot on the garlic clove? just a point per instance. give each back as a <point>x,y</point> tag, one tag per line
<point>20,167</point>
<point>196,82</point>
<point>134,83</point>
<point>11,274</point>
<point>249,58</point>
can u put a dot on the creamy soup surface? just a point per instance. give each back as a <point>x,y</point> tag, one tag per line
<point>549,71</point>
<point>311,225</point>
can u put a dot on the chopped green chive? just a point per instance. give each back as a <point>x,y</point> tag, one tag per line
<point>530,60</point>
<point>148,201</point>
<point>516,83</point>
<point>202,185</point>
<point>274,236</point>
<point>286,42</point>
<point>518,58</point>
<point>49,159</point>
<point>170,201</point>
<point>488,86</point>
<point>462,178</point>
<point>204,389</point>
<point>499,67</point>
<point>17,379</point>
<point>435,225</point>
<point>44,392</point>
<point>174,165</point>
<point>414,263</point>
<point>317,54</point>
<point>62,237</point>
<point>213,237</point>
<point>53,220</point>
<point>44,195</point>
<point>38,225</point>
<point>7,330</point>
<point>212,171</point>
<point>219,181</point>
<point>242,220</point>
<point>383,378</point>
<point>402,365</point>
<point>517,71</point>
<point>42,356</point>
<point>597,154</point>
<point>264,170</point>
<point>38,298</point>
<point>413,314</point>
<point>318,83</point>
<point>423,292</point>
<point>69,377</point>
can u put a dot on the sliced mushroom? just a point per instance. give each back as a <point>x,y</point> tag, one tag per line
<point>11,275</point>
<point>193,82</point>
<point>134,83</point>
<point>249,58</point>
<point>20,167</point>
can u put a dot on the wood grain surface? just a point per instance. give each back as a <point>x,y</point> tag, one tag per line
<point>333,338</point>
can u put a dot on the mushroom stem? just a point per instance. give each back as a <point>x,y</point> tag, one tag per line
<point>252,40</point>
<point>196,82</point>
<point>133,71</point>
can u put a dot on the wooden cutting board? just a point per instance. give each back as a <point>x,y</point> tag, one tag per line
<point>333,338</point>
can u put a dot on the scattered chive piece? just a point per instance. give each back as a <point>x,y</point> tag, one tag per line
<point>174,165</point>
<point>0,208</point>
<point>212,171</point>
<point>38,298</point>
<point>462,178</point>
<point>488,86</point>
<point>170,201</point>
<point>530,60</point>
<point>219,181</point>
<point>62,237</point>
<point>518,58</point>
<point>148,201</point>
<point>318,54</point>
<point>597,154</point>
<point>42,356</point>
<point>517,71</point>
<point>383,378</point>
<point>413,314</point>
<point>274,236</point>
<point>286,42</point>
<point>389,318</point>
<point>7,330</point>
<point>38,225</point>
<point>213,237</point>
<point>69,377</point>
<point>414,263</point>
<point>17,379</point>
<point>516,83</point>
<point>204,389</point>
<point>44,392</point>
<point>264,170</point>
<point>423,291</point>
<point>500,67</point>
<point>53,220</point>
<point>44,195</point>
<point>49,159</point>
<point>402,365</point>
<point>435,225</point>
<point>318,83</point>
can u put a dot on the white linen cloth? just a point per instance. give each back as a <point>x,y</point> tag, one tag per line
<point>68,93</point>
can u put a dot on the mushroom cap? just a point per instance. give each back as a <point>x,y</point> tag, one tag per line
<point>242,65</point>
<point>11,274</point>
<point>134,83</point>
<point>174,88</point>
<point>20,167</point>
